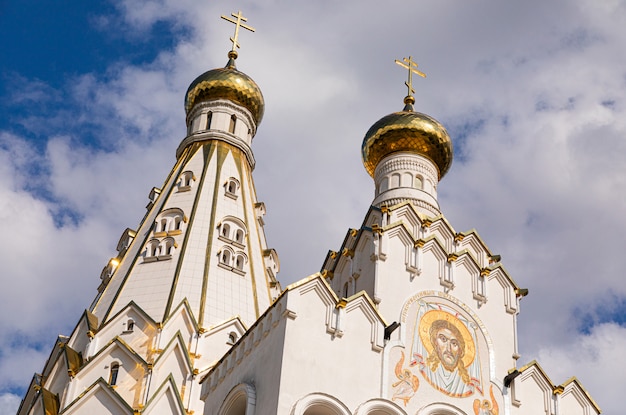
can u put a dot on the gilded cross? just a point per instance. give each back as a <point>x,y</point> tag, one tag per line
<point>412,67</point>
<point>238,23</point>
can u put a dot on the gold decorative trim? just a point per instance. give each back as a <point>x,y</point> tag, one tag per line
<point>172,178</point>
<point>217,151</point>
<point>245,173</point>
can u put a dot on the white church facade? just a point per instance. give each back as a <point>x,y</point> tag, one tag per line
<point>407,316</point>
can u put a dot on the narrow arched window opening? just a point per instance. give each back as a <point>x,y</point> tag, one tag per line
<point>164,225</point>
<point>209,117</point>
<point>130,325</point>
<point>233,123</point>
<point>232,337</point>
<point>226,257</point>
<point>239,262</point>
<point>345,290</point>
<point>231,187</point>
<point>226,230</point>
<point>115,368</point>
<point>239,236</point>
<point>384,184</point>
<point>419,182</point>
<point>395,180</point>
<point>407,180</point>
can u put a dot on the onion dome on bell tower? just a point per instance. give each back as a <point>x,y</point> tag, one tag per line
<point>224,103</point>
<point>407,153</point>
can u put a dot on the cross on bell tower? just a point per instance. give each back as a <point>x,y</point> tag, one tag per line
<point>408,63</point>
<point>238,23</point>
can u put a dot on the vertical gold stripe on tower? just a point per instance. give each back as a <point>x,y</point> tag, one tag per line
<point>222,151</point>
<point>240,166</point>
<point>168,185</point>
<point>207,149</point>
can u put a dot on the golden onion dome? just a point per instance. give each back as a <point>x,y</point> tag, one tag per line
<point>407,131</point>
<point>227,83</point>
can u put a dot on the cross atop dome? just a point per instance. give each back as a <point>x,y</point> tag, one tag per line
<point>409,64</point>
<point>238,23</point>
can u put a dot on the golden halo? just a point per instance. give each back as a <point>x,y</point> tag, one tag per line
<point>424,331</point>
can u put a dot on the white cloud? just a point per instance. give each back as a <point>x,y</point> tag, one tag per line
<point>9,403</point>
<point>595,357</point>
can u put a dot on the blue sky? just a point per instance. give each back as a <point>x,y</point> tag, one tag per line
<point>531,92</point>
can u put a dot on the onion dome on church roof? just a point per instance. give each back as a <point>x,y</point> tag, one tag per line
<point>227,83</point>
<point>407,131</point>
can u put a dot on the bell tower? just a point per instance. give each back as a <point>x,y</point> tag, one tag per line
<point>188,282</point>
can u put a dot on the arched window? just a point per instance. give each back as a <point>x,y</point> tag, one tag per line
<point>186,180</point>
<point>233,123</point>
<point>209,116</point>
<point>241,400</point>
<point>345,290</point>
<point>226,230</point>
<point>226,257</point>
<point>395,180</point>
<point>130,325</point>
<point>419,182</point>
<point>152,249</point>
<point>232,230</point>
<point>239,262</point>
<point>232,337</point>
<point>407,180</point>
<point>167,247</point>
<point>384,184</point>
<point>231,188</point>
<point>378,406</point>
<point>440,409</point>
<point>239,236</point>
<point>115,368</point>
<point>170,222</point>
<point>319,404</point>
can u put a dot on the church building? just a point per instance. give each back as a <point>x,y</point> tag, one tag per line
<point>406,316</point>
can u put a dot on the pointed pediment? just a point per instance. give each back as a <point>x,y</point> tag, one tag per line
<point>45,403</point>
<point>166,400</point>
<point>99,398</point>
<point>174,361</point>
<point>575,398</point>
<point>131,325</point>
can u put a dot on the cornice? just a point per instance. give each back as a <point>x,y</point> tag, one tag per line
<point>228,138</point>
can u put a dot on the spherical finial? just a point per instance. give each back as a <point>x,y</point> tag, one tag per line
<point>409,100</point>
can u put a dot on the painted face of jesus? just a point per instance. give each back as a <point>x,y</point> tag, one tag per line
<point>448,348</point>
